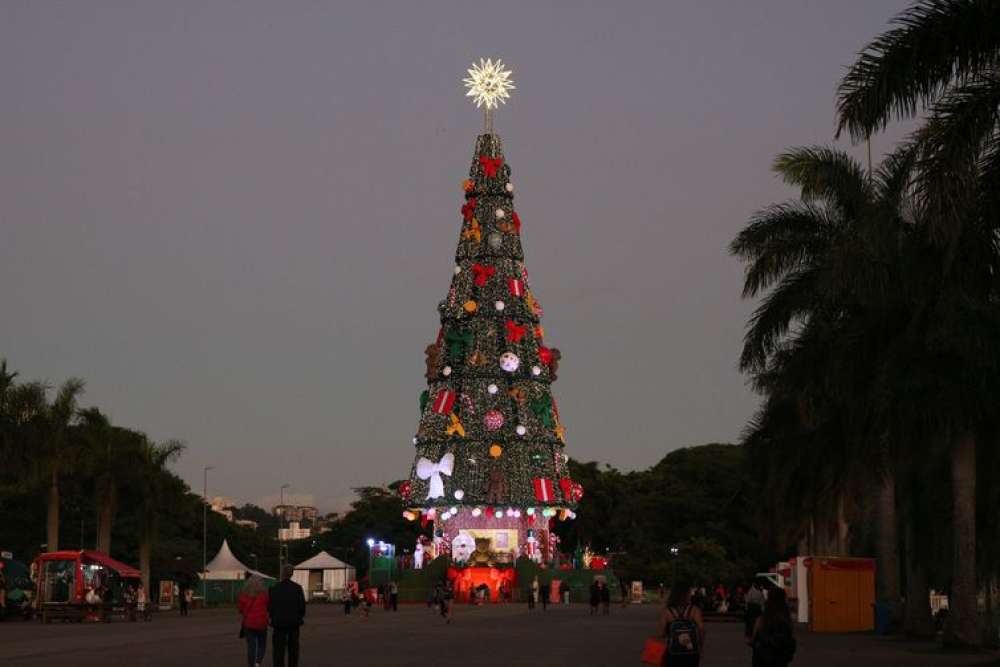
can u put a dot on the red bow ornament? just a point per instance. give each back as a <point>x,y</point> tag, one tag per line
<point>490,165</point>
<point>545,355</point>
<point>481,274</point>
<point>517,222</point>
<point>469,209</point>
<point>515,331</point>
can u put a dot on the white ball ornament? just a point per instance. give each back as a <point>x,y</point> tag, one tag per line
<point>499,305</point>
<point>509,187</point>
<point>492,389</point>
<point>414,440</point>
<point>458,269</point>
<point>509,362</point>
<point>535,370</point>
<point>498,514</point>
<point>446,371</point>
<point>459,494</point>
<point>521,430</point>
<point>476,511</point>
<point>510,512</point>
<point>501,214</point>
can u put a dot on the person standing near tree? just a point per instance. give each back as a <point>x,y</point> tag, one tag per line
<point>287,608</point>
<point>754,607</point>
<point>773,639</point>
<point>544,591</point>
<point>595,596</point>
<point>184,601</point>
<point>394,595</point>
<point>533,594</point>
<point>605,599</point>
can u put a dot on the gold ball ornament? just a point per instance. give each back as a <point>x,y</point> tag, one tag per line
<point>496,450</point>
<point>470,306</point>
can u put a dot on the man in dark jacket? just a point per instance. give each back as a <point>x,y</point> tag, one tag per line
<point>287,608</point>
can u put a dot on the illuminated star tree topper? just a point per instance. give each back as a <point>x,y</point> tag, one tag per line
<point>488,85</point>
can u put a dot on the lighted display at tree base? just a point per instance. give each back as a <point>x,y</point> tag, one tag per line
<point>490,470</point>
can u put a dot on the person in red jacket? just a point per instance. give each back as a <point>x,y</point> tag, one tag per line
<point>252,604</point>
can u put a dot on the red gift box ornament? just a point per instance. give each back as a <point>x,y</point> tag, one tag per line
<point>515,286</point>
<point>566,486</point>
<point>490,165</point>
<point>544,489</point>
<point>515,331</point>
<point>577,494</point>
<point>481,274</point>
<point>444,402</point>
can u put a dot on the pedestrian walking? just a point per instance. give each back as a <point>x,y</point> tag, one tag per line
<point>345,599</point>
<point>605,599</point>
<point>142,603</point>
<point>544,591</point>
<point>754,607</point>
<point>287,609</point>
<point>447,601</point>
<point>185,600</point>
<point>683,629</point>
<point>773,639</point>
<point>252,604</point>
<point>595,596</point>
<point>394,595</point>
<point>533,594</point>
<point>624,591</point>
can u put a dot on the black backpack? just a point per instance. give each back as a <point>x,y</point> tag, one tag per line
<point>682,634</point>
<point>774,645</point>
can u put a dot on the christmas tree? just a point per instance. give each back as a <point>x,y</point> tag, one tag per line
<point>489,463</point>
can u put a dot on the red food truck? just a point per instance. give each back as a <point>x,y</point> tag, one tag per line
<point>78,585</point>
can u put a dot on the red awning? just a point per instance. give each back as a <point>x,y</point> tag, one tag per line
<point>126,571</point>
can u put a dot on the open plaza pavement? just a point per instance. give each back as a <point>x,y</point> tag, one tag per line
<point>487,636</point>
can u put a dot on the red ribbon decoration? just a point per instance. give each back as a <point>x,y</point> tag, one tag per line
<point>481,274</point>
<point>515,331</point>
<point>490,165</point>
<point>517,222</point>
<point>469,209</point>
<point>545,355</point>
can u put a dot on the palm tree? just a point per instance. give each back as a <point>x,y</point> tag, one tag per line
<point>152,470</point>
<point>944,55</point>
<point>60,415</point>
<point>99,439</point>
<point>829,264</point>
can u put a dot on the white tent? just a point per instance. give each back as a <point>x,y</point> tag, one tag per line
<point>323,576</point>
<point>226,566</point>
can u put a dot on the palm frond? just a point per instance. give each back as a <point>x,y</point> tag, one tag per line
<point>780,239</point>
<point>827,175</point>
<point>934,43</point>
<point>794,299</point>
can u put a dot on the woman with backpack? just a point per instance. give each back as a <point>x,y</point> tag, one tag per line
<point>683,629</point>
<point>773,640</point>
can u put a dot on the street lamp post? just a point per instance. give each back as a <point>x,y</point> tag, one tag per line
<point>371,544</point>
<point>281,525</point>
<point>204,536</point>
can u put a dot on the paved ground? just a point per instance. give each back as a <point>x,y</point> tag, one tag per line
<point>479,637</point>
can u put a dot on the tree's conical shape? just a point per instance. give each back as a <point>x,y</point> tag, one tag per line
<point>490,439</point>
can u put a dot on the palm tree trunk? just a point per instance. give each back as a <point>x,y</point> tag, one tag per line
<point>887,544</point>
<point>842,537</point>
<point>105,519</point>
<point>963,621</point>
<point>52,520</point>
<point>145,553</point>
<point>917,621</point>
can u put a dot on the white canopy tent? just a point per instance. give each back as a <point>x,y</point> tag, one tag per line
<point>323,576</point>
<point>226,566</point>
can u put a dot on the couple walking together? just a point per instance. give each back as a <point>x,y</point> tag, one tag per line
<point>283,607</point>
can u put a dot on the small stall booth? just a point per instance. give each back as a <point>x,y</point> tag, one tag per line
<point>323,577</point>
<point>82,585</point>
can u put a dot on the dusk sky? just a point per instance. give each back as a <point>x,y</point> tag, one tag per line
<point>235,219</point>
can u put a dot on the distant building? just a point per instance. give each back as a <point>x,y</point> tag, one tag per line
<point>295,512</point>
<point>224,506</point>
<point>293,532</point>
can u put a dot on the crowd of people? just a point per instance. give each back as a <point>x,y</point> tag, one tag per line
<point>768,628</point>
